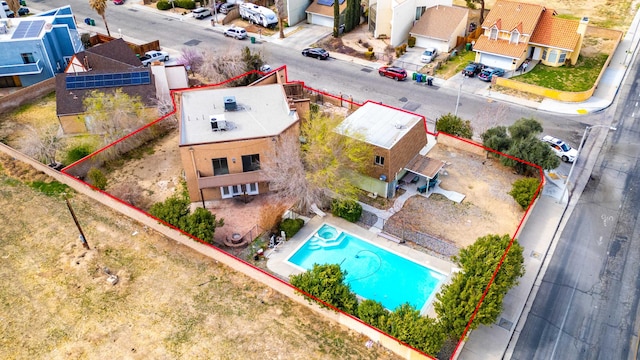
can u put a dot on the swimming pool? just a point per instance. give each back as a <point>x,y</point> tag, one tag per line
<point>372,272</point>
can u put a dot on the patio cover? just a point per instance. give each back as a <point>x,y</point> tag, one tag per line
<point>424,166</point>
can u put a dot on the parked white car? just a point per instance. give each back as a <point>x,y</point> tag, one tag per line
<point>428,55</point>
<point>561,149</point>
<point>151,56</point>
<point>201,12</point>
<point>236,32</point>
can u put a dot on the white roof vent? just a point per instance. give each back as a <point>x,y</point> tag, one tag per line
<point>399,126</point>
<point>218,122</point>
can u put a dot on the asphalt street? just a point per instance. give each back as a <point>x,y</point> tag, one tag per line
<point>360,82</point>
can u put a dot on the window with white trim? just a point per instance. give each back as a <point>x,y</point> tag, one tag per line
<point>379,160</point>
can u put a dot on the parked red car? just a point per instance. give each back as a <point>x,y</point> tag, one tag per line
<point>394,72</point>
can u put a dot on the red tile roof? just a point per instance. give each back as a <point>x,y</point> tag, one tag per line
<point>555,32</point>
<point>508,15</point>
<point>500,47</point>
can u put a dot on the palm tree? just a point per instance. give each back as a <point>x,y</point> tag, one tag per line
<point>100,6</point>
<point>14,5</point>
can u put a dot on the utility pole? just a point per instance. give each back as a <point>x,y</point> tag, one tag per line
<point>73,215</point>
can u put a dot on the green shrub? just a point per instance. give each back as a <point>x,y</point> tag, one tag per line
<point>523,190</point>
<point>163,5</point>
<point>454,125</point>
<point>411,42</point>
<point>78,152</point>
<point>186,4</point>
<point>347,209</point>
<point>97,178</point>
<point>291,226</point>
<point>53,188</point>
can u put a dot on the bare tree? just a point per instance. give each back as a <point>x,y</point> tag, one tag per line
<point>100,6</point>
<point>114,115</point>
<point>43,143</point>
<point>131,192</point>
<point>488,117</point>
<point>325,161</point>
<point>191,58</point>
<point>218,67</point>
<point>282,13</point>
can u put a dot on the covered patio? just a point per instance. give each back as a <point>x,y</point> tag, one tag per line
<point>422,177</point>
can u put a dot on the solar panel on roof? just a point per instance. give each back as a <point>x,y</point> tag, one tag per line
<point>34,29</point>
<point>21,30</point>
<point>82,81</point>
<point>326,2</point>
<point>28,29</point>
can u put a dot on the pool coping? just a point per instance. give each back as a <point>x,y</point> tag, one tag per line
<point>277,258</point>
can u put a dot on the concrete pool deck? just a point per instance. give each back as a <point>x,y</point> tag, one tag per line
<point>277,258</point>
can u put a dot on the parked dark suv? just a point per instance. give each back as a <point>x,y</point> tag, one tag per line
<point>472,69</point>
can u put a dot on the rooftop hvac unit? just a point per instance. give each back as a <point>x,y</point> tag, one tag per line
<point>218,122</point>
<point>3,28</point>
<point>230,103</point>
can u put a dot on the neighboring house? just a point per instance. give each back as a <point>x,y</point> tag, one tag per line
<point>320,12</point>
<point>394,19</point>
<point>440,26</point>
<point>514,32</point>
<point>104,67</point>
<point>226,133</point>
<point>37,47</point>
<point>397,137</point>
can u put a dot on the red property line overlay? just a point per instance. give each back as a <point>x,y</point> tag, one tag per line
<point>436,134</point>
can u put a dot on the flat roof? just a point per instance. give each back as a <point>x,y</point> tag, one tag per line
<point>381,125</point>
<point>261,111</point>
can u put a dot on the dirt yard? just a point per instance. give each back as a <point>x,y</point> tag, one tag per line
<point>486,209</point>
<point>170,302</point>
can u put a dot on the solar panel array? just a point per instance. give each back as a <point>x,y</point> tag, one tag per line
<point>28,29</point>
<point>90,81</point>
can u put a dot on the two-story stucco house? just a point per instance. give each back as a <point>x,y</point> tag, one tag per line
<point>37,47</point>
<point>226,133</point>
<point>515,31</point>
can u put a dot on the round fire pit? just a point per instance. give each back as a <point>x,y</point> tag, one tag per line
<point>236,238</point>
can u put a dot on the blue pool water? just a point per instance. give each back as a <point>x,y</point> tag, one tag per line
<point>372,272</point>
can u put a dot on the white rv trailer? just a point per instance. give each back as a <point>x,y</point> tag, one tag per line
<point>259,15</point>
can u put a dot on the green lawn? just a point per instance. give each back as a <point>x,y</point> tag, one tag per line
<point>580,77</point>
<point>456,64</point>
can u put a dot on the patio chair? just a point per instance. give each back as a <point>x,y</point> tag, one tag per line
<point>422,189</point>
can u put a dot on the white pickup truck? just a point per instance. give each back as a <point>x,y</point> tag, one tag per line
<point>151,56</point>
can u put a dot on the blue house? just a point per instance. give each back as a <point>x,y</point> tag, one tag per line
<point>37,47</point>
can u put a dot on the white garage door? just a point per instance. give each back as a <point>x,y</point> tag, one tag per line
<point>320,20</point>
<point>496,61</point>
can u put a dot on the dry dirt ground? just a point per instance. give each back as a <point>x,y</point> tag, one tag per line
<point>170,302</point>
<point>486,209</point>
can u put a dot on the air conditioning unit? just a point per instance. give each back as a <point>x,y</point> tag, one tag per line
<point>3,28</point>
<point>218,122</point>
<point>230,103</point>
